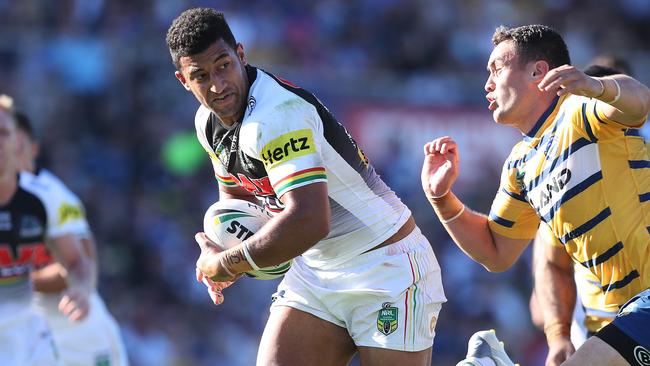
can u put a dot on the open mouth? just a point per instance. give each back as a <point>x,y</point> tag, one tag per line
<point>493,104</point>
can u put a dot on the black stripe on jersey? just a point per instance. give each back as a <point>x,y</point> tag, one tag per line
<point>639,164</point>
<point>577,189</point>
<point>592,137</point>
<point>574,147</point>
<point>541,120</point>
<point>335,134</point>
<point>632,132</point>
<point>603,257</point>
<point>587,226</point>
<point>24,205</point>
<point>541,144</point>
<point>644,197</point>
<point>518,197</point>
<point>622,283</point>
<point>500,220</point>
<point>597,116</point>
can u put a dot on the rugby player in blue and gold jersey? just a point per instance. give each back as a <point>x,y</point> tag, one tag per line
<point>568,301</point>
<point>580,168</point>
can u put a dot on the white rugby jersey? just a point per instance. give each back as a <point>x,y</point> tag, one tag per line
<point>56,187</point>
<point>288,139</point>
<point>35,214</point>
<point>48,303</point>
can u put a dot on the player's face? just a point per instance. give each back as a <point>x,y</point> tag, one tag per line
<point>25,151</point>
<point>511,90</point>
<point>217,78</point>
<point>7,144</point>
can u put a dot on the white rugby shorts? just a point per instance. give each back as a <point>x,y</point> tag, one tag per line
<point>26,340</point>
<point>95,340</point>
<point>388,298</point>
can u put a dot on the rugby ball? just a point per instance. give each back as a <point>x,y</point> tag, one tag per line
<point>229,222</point>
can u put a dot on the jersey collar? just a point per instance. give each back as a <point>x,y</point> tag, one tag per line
<point>546,119</point>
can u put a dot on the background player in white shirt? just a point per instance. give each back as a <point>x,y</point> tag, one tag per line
<point>96,340</point>
<point>363,276</point>
<point>29,221</point>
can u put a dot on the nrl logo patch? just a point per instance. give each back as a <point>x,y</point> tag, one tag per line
<point>387,319</point>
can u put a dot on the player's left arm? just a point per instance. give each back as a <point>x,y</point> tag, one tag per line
<point>626,100</point>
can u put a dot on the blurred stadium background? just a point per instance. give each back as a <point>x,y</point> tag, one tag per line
<point>96,78</point>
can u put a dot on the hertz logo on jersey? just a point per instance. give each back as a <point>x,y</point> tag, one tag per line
<point>69,212</point>
<point>287,147</point>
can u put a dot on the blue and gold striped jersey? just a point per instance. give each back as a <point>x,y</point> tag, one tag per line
<point>590,295</point>
<point>588,178</point>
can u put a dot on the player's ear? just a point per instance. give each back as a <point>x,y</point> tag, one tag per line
<point>539,70</point>
<point>182,79</point>
<point>241,54</point>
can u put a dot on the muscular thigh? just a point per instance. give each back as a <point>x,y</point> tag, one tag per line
<point>596,352</point>
<point>371,356</point>
<point>294,337</point>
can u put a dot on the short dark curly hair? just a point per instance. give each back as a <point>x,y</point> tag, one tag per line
<point>195,30</point>
<point>535,42</point>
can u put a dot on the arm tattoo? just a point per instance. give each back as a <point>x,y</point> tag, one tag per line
<point>234,258</point>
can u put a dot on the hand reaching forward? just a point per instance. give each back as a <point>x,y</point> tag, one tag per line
<point>440,167</point>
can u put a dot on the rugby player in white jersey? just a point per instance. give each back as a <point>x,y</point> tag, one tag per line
<point>96,340</point>
<point>30,219</point>
<point>363,276</point>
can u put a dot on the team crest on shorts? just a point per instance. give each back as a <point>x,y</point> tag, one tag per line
<point>387,318</point>
<point>102,360</point>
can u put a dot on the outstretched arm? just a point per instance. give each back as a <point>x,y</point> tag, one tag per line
<point>470,230</point>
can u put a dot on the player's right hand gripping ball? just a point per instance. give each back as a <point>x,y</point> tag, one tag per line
<point>231,221</point>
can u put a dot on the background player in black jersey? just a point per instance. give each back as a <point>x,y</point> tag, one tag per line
<point>97,338</point>
<point>30,219</point>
